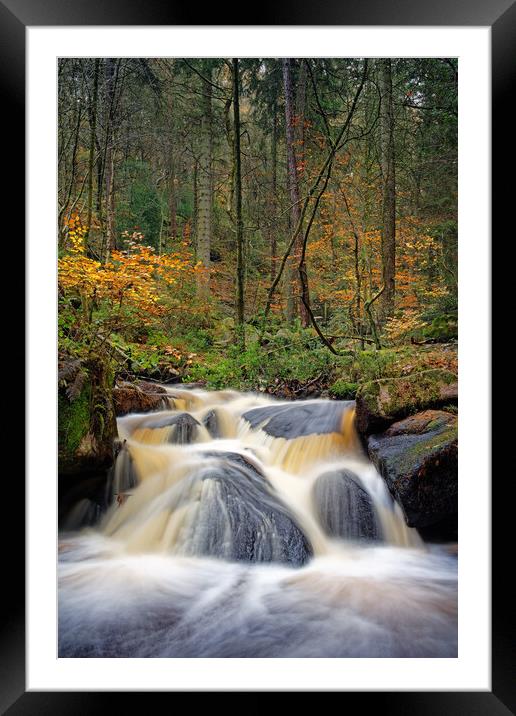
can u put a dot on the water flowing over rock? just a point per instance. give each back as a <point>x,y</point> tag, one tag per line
<point>241,526</point>
<point>240,518</point>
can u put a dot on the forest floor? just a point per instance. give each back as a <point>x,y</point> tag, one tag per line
<point>293,365</point>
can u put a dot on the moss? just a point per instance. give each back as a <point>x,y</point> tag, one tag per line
<point>404,396</point>
<point>380,402</point>
<point>343,390</point>
<point>87,423</point>
<point>73,421</point>
<point>103,420</point>
<point>424,449</point>
<point>434,424</point>
<point>451,409</point>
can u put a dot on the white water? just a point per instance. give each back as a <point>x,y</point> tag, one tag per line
<point>276,538</point>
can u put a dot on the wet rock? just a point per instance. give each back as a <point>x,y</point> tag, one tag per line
<point>236,458</point>
<point>83,498</point>
<point>381,402</point>
<point>185,429</point>
<point>124,476</point>
<point>211,423</point>
<point>85,513</point>
<point>240,518</point>
<point>293,420</point>
<point>344,508</point>
<point>418,459</point>
<point>141,397</point>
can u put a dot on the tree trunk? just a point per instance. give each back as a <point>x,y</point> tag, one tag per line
<point>93,136</point>
<point>238,208</point>
<point>204,186</point>
<point>109,244</point>
<point>195,211</point>
<point>63,221</point>
<point>388,189</point>
<point>273,227</point>
<point>172,200</point>
<point>299,132</point>
<point>295,306</point>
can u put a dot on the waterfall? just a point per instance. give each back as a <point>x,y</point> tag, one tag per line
<point>245,526</point>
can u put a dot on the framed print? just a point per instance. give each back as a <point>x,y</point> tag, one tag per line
<point>259,258</point>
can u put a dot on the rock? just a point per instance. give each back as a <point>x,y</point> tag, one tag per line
<point>184,429</point>
<point>238,515</point>
<point>86,416</point>
<point>380,402</point>
<point>140,397</point>
<point>296,419</point>
<point>234,457</point>
<point>343,507</point>
<point>417,457</point>
<point>211,423</point>
<point>124,477</point>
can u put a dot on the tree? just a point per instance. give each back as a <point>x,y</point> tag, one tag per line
<point>238,207</point>
<point>111,77</point>
<point>388,188</point>
<point>205,182</point>
<point>294,287</point>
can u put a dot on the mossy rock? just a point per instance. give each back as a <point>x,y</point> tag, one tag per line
<point>86,416</point>
<point>418,459</point>
<point>380,402</point>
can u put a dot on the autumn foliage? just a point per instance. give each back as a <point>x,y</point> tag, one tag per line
<point>136,278</point>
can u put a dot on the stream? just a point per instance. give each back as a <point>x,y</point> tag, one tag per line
<point>243,526</point>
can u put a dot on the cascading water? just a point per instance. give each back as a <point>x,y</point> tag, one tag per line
<point>241,526</point>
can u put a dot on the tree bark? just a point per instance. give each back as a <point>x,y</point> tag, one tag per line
<point>238,208</point>
<point>299,132</point>
<point>273,228</point>
<point>388,189</point>
<point>172,200</point>
<point>110,243</point>
<point>205,186</point>
<point>295,307</point>
<point>93,136</point>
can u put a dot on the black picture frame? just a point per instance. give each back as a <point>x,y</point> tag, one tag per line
<point>15,16</point>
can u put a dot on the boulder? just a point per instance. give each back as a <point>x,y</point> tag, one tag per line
<point>381,402</point>
<point>417,457</point>
<point>242,518</point>
<point>140,397</point>
<point>344,509</point>
<point>184,429</point>
<point>298,419</point>
<point>211,423</point>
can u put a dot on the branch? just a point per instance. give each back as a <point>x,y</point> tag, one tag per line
<point>205,79</point>
<point>326,167</point>
<point>367,306</point>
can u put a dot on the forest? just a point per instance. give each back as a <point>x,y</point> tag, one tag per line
<point>265,224</point>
